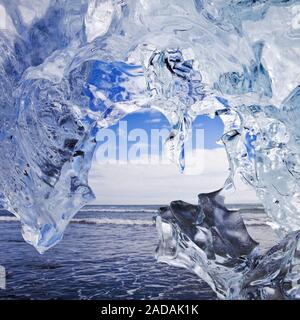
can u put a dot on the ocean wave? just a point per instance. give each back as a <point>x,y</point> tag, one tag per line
<point>119,210</point>
<point>113,221</point>
<point>94,221</point>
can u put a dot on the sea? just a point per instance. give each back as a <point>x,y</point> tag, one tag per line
<point>107,253</point>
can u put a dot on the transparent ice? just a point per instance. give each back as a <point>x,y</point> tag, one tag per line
<point>69,68</point>
<point>214,243</point>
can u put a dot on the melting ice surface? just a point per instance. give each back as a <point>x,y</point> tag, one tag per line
<point>70,68</point>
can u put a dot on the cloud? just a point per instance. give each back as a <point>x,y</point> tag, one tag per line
<point>161,183</point>
<point>153,121</point>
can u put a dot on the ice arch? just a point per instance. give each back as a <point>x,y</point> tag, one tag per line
<point>70,68</point>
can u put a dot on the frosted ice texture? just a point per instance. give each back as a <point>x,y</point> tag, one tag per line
<point>69,68</point>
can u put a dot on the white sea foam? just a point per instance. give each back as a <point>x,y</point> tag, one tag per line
<point>94,221</point>
<point>113,221</point>
<point>121,210</point>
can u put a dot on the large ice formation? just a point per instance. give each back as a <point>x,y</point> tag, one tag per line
<point>69,68</point>
<point>214,243</point>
